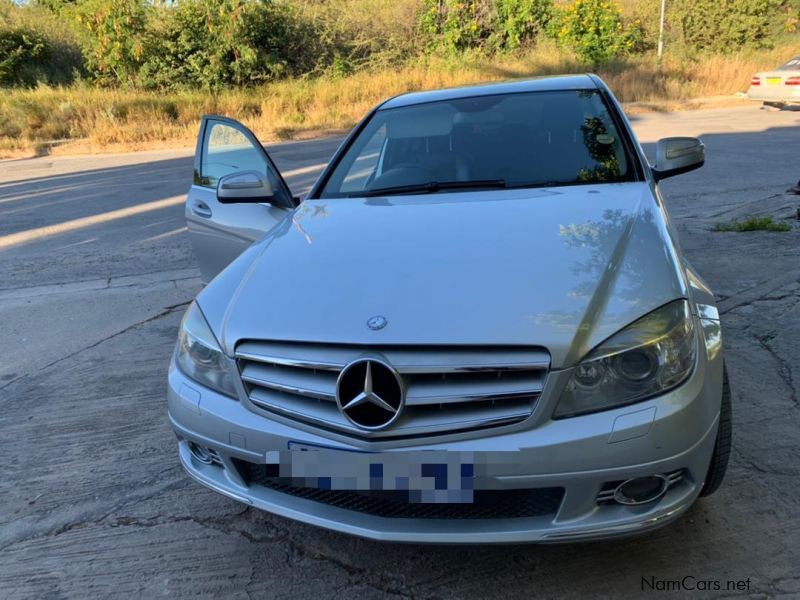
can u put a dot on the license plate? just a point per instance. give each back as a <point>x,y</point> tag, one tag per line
<point>436,477</point>
<point>774,80</point>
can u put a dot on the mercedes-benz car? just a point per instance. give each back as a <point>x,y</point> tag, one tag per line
<point>478,326</point>
<point>778,87</point>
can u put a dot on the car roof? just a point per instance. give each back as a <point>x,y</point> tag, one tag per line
<point>536,84</point>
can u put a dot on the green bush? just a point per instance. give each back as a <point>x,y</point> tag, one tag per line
<point>455,25</point>
<point>519,22</point>
<point>21,51</point>
<point>348,35</point>
<point>486,25</point>
<point>724,25</point>
<point>112,34</point>
<point>34,48</point>
<point>216,43</point>
<point>596,31</point>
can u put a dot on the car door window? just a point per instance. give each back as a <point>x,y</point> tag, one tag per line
<point>227,150</point>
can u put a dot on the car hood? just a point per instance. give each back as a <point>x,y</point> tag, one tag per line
<point>561,268</point>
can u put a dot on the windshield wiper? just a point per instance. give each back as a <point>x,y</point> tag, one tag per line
<point>546,184</point>
<point>434,186</point>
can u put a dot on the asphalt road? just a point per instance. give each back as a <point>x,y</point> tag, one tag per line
<point>96,271</point>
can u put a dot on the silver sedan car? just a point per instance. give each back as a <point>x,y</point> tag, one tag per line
<point>778,87</point>
<point>477,327</point>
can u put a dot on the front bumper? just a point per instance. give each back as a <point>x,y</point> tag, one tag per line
<point>672,432</point>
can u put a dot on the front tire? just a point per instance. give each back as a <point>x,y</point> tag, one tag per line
<point>722,447</point>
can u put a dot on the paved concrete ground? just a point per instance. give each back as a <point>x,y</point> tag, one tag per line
<point>96,269</point>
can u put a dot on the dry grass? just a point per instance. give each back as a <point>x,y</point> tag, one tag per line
<point>103,118</point>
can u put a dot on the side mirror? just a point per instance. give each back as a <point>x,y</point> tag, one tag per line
<point>676,155</point>
<point>244,186</point>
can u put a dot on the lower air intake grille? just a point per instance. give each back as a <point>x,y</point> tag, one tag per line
<point>489,504</point>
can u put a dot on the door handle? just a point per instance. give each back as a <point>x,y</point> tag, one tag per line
<point>201,209</point>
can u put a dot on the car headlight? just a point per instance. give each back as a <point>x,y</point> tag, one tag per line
<point>199,355</point>
<point>648,357</point>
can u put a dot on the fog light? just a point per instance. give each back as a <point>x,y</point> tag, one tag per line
<point>200,453</point>
<point>641,490</point>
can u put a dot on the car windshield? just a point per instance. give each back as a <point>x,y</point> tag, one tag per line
<point>792,65</point>
<point>536,139</point>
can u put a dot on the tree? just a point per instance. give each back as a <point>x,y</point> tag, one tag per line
<point>215,43</point>
<point>112,37</point>
<point>595,30</point>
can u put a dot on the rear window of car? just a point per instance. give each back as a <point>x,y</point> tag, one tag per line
<point>792,65</point>
<point>509,140</point>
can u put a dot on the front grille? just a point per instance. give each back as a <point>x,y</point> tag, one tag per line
<point>448,389</point>
<point>488,504</point>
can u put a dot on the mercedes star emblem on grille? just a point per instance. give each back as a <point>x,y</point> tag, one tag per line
<point>369,393</point>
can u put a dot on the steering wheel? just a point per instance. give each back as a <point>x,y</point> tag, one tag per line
<point>403,174</point>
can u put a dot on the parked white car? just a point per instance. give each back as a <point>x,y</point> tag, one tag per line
<point>778,87</point>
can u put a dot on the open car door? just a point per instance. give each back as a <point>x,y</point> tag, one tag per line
<point>221,228</point>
